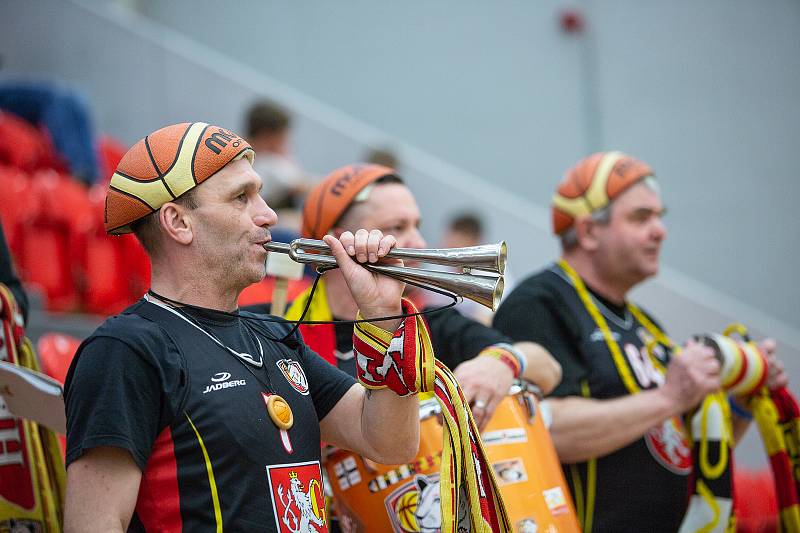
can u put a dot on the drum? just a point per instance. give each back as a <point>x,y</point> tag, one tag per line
<point>370,497</point>
<point>526,466</point>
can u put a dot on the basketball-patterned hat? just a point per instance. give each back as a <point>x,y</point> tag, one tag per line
<point>166,164</point>
<point>331,197</point>
<point>592,183</point>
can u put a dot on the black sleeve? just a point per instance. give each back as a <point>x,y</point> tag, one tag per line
<point>536,316</point>
<point>9,278</point>
<point>456,338</point>
<point>113,398</point>
<point>326,383</point>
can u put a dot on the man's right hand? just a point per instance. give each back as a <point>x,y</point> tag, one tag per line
<point>691,376</point>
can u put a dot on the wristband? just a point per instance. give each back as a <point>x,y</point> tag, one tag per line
<point>505,356</point>
<point>516,352</point>
<point>738,410</point>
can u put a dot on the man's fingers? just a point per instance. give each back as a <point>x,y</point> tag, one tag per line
<point>490,408</point>
<point>362,236</point>
<point>348,240</point>
<point>387,243</point>
<point>373,242</point>
<point>768,346</point>
<point>339,253</point>
<point>479,412</point>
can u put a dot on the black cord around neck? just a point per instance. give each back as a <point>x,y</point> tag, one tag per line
<point>289,340</point>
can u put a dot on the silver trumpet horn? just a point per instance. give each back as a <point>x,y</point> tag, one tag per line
<point>484,289</point>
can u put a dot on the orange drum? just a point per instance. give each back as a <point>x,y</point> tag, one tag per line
<point>370,497</point>
<point>526,466</point>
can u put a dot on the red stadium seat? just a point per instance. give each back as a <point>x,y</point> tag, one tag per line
<point>116,269</point>
<point>47,243</point>
<point>56,351</point>
<point>23,146</point>
<point>110,152</point>
<point>16,203</point>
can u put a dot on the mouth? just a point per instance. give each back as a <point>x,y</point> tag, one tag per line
<point>264,240</point>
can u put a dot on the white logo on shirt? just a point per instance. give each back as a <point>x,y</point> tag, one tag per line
<point>597,336</point>
<point>219,382</point>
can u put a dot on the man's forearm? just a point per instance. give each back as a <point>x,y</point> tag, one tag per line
<point>584,427</point>
<point>391,426</point>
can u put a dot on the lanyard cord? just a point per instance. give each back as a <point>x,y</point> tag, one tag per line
<point>286,339</point>
<point>616,354</point>
<point>239,356</point>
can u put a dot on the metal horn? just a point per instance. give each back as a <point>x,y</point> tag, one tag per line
<point>483,289</point>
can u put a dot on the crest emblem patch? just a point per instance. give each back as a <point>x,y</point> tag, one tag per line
<point>298,499</point>
<point>669,446</point>
<point>294,374</point>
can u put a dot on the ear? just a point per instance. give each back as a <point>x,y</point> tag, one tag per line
<point>586,232</point>
<point>176,222</point>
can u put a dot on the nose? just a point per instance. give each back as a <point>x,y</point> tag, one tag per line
<point>264,215</point>
<point>659,229</point>
<point>414,239</point>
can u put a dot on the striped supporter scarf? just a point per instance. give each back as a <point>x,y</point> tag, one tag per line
<point>404,362</point>
<point>777,416</point>
<point>710,426</point>
<point>32,477</point>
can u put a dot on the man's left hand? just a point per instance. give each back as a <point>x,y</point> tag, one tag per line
<point>485,381</point>
<point>776,375</point>
<point>375,294</point>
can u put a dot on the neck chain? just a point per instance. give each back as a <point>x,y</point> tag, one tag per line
<point>243,356</point>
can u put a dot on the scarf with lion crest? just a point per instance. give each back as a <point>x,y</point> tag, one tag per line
<point>404,362</point>
<point>32,477</point>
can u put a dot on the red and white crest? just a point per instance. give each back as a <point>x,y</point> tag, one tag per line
<point>298,499</point>
<point>668,445</point>
<point>294,374</point>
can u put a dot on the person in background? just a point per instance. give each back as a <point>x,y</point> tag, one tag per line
<point>269,131</point>
<point>383,156</point>
<point>375,195</point>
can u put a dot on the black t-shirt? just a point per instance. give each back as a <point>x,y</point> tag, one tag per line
<point>643,486</point>
<point>193,415</point>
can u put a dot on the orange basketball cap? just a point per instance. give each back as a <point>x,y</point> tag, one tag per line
<point>166,164</point>
<point>592,183</point>
<point>331,197</point>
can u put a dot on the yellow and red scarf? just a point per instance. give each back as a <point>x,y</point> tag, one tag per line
<point>32,477</point>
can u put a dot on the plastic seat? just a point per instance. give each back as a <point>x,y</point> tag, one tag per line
<point>56,351</point>
<point>16,203</point>
<point>47,242</point>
